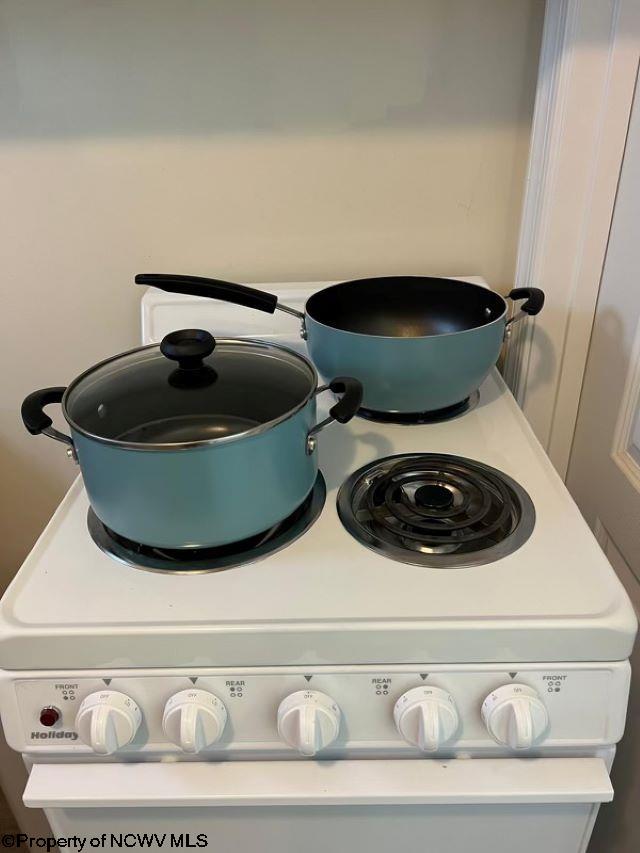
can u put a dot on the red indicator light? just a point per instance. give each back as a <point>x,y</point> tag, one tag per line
<point>49,716</point>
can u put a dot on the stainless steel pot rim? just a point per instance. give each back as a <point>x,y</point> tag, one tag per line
<point>501,317</point>
<point>148,446</point>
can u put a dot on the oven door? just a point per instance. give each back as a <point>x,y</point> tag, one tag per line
<point>496,805</point>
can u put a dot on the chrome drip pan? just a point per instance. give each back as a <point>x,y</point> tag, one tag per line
<point>436,510</point>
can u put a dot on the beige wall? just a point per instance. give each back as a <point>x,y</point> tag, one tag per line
<point>265,140</point>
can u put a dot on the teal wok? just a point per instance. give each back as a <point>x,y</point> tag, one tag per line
<point>417,344</point>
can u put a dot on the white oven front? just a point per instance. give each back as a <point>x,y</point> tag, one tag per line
<point>369,790</point>
<point>489,805</point>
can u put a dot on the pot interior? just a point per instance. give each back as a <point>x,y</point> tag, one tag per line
<point>184,428</point>
<point>405,306</point>
<point>143,398</point>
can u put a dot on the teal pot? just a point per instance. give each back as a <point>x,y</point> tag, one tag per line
<point>194,443</point>
<point>417,345</point>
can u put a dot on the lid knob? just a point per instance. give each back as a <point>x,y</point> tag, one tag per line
<point>189,347</point>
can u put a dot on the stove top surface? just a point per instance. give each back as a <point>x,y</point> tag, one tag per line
<point>326,598</point>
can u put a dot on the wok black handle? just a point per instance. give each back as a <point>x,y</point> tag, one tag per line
<point>351,400</point>
<point>189,347</point>
<point>211,288</point>
<point>32,410</point>
<point>534,299</point>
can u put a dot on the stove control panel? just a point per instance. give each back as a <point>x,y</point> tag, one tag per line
<point>328,711</point>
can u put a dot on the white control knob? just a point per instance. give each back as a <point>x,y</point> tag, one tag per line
<point>308,721</point>
<point>194,719</point>
<point>426,717</point>
<point>107,721</point>
<point>515,716</point>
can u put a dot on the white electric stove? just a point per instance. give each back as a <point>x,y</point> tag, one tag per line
<point>333,688</point>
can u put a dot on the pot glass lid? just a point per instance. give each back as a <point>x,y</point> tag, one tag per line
<point>189,389</point>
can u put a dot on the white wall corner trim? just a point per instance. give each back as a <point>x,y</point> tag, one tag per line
<point>588,69</point>
<point>626,440</point>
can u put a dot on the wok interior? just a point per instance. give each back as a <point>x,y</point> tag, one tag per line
<point>405,306</point>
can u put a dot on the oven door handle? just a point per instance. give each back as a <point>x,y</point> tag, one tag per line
<point>319,783</point>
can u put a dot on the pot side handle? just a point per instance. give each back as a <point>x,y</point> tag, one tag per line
<point>533,304</point>
<point>534,299</point>
<point>37,421</point>
<point>343,410</point>
<point>351,400</point>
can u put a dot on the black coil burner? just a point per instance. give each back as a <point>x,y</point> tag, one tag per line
<point>436,510</point>
<point>197,560</point>
<point>435,416</point>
